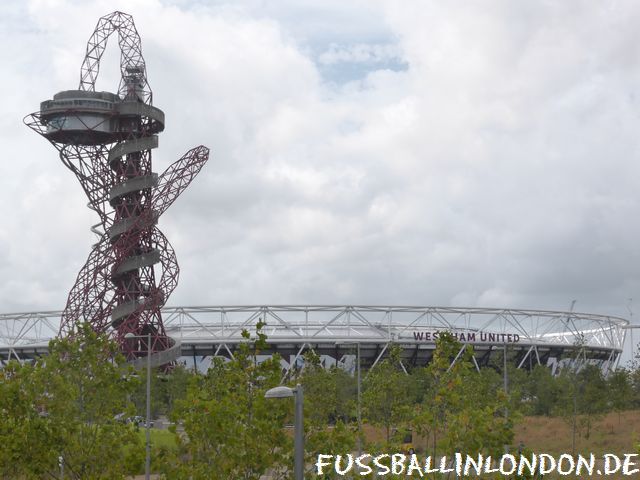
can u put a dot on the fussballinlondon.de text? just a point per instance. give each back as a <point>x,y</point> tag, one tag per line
<point>463,465</point>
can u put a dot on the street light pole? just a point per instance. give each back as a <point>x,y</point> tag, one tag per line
<point>506,387</point>
<point>298,446</point>
<point>147,460</point>
<point>298,469</point>
<point>359,404</point>
<point>147,463</point>
<point>505,372</point>
<point>359,409</point>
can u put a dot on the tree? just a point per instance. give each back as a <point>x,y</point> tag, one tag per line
<point>583,398</point>
<point>385,399</point>
<point>467,407</point>
<point>67,405</point>
<point>139,396</point>
<point>328,411</point>
<point>24,433</point>
<point>634,375</point>
<point>542,391</point>
<point>592,398</point>
<point>166,388</point>
<point>621,393</point>
<point>230,429</point>
<point>174,386</point>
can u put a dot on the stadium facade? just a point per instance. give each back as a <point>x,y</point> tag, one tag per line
<point>106,139</point>
<point>529,337</point>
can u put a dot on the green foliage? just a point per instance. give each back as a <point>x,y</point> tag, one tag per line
<point>386,399</point>
<point>583,394</point>
<point>583,398</point>
<point>66,405</point>
<point>621,391</point>
<point>330,394</point>
<point>634,378</point>
<point>542,391</point>
<point>329,403</point>
<point>230,429</point>
<point>166,389</point>
<point>22,426</point>
<point>466,407</point>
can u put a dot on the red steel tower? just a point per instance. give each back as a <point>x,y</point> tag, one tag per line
<point>106,139</point>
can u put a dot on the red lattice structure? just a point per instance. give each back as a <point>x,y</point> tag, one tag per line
<point>106,139</point>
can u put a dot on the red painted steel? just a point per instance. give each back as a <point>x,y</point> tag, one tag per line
<point>106,141</point>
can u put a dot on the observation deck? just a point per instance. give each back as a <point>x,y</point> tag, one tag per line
<point>78,117</point>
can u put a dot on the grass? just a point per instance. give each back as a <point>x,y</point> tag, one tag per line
<point>612,433</point>
<point>159,438</point>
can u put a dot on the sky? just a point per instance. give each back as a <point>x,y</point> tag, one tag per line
<point>457,153</point>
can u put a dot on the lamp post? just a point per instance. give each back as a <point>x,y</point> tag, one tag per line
<point>147,462</point>
<point>298,445</point>
<point>506,387</point>
<point>359,409</point>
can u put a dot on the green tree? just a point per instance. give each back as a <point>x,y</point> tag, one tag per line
<point>24,431</point>
<point>542,391</point>
<point>583,398</point>
<point>166,389</point>
<point>329,406</point>
<point>386,400</point>
<point>620,391</point>
<point>465,406</point>
<point>67,405</point>
<point>139,396</point>
<point>634,377</point>
<point>592,398</point>
<point>230,429</point>
<point>174,386</point>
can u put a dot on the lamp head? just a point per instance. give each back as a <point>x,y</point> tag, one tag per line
<point>279,392</point>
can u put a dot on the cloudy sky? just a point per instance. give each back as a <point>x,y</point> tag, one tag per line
<point>363,152</point>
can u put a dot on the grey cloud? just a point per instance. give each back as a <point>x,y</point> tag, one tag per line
<point>498,167</point>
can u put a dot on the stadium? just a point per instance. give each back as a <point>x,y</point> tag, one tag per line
<point>339,333</point>
<point>106,140</point>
